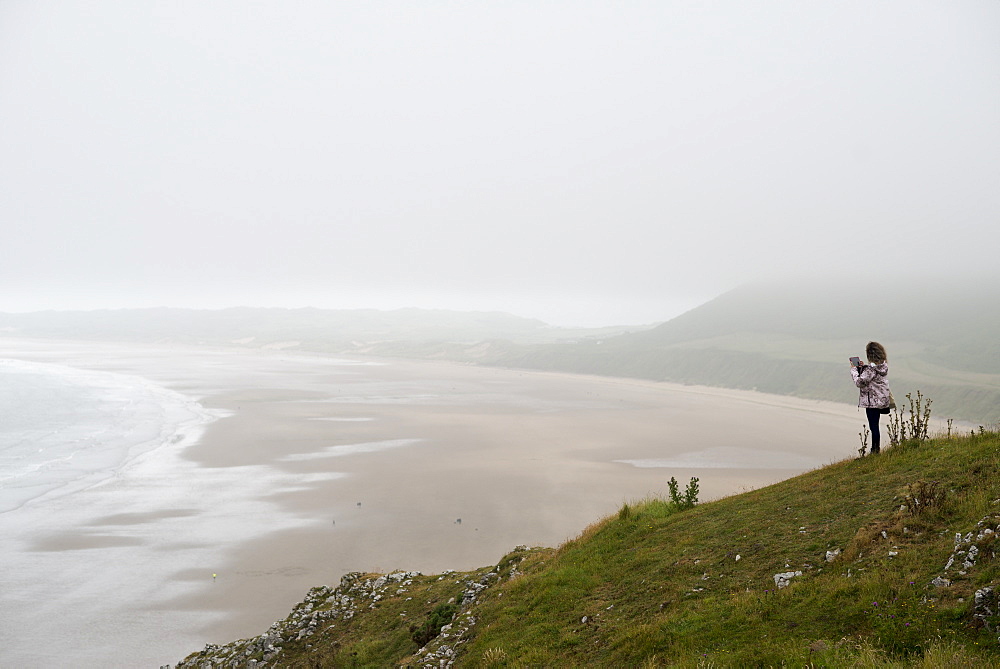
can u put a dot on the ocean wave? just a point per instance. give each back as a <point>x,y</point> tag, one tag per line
<point>65,428</point>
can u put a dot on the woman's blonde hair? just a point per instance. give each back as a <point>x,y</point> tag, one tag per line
<point>876,353</point>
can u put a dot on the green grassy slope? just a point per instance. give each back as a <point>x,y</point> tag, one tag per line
<point>943,338</point>
<point>653,586</point>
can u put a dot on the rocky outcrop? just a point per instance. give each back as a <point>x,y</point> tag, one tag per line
<point>782,580</point>
<point>356,595</point>
<point>970,549</point>
<point>986,608</point>
<point>968,546</point>
<point>443,649</point>
<point>322,604</point>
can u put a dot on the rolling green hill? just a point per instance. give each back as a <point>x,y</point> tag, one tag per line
<point>879,561</point>
<point>943,338</point>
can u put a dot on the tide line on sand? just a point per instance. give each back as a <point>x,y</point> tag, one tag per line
<point>350,449</point>
<point>729,457</point>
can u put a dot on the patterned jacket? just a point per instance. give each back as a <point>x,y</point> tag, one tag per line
<point>871,379</point>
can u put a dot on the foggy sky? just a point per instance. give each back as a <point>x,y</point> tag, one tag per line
<point>580,162</point>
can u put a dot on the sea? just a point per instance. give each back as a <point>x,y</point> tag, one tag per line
<point>70,439</point>
<point>63,429</point>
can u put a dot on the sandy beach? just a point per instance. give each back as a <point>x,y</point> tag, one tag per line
<point>314,466</point>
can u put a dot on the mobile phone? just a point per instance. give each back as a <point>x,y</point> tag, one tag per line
<point>856,361</point>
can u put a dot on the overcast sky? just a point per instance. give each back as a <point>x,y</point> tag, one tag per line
<point>580,162</point>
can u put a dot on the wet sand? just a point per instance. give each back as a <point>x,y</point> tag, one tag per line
<point>321,467</point>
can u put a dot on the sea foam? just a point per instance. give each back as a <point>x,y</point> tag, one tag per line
<point>63,429</point>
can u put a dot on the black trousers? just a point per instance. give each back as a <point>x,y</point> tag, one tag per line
<point>873,416</point>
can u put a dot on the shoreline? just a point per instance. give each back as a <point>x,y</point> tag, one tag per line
<point>135,416</point>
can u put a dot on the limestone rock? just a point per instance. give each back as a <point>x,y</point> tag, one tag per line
<point>781,580</point>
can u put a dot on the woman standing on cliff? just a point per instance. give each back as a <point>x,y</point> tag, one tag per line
<point>871,380</point>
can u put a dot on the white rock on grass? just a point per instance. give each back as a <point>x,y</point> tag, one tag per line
<point>781,580</point>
